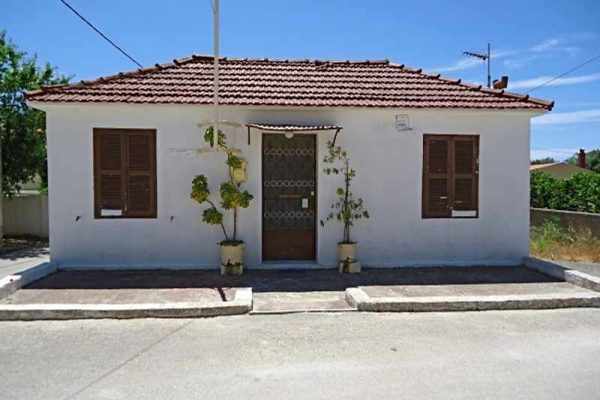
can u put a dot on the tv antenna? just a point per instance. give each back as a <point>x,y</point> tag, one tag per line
<point>485,57</point>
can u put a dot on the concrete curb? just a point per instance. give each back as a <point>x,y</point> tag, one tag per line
<point>244,297</point>
<point>241,304</point>
<point>356,297</point>
<point>363,302</point>
<point>556,270</point>
<point>303,311</point>
<point>9,285</point>
<point>12,283</point>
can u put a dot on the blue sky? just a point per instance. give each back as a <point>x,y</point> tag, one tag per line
<point>532,41</point>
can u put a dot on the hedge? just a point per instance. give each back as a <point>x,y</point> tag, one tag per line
<point>581,192</point>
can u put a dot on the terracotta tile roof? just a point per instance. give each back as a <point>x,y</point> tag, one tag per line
<point>566,165</point>
<point>304,83</point>
<point>533,167</point>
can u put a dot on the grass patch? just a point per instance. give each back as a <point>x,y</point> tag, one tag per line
<point>553,242</point>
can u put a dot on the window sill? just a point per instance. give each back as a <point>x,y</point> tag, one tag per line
<point>126,217</point>
<point>468,215</point>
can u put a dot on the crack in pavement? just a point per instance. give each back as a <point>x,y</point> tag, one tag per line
<point>127,361</point>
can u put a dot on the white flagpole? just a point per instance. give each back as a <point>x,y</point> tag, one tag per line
<point>216,72</point>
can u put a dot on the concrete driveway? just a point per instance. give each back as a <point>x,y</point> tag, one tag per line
<point>483,355</point>
<point>16,261</point>
<point>585,267</point>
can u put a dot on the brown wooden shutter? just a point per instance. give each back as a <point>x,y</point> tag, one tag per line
<point>141,177</point>
<point>108,172</point>
<point>465,172</point>
<point>436,176</point>
<point>124,173</point>
<point>450,176</point>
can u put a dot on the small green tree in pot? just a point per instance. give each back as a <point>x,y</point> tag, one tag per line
<point>232,199</point>
<point>347,209</point>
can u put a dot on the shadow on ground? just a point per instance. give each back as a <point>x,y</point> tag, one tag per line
<point>18,253</point>
<point>287,281</point>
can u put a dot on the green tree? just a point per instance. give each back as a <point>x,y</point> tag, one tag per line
<point>592,159</point>
<point>22,129</point>
<point>545,160</point>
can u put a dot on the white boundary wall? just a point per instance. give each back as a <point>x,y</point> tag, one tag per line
<point>26,215</point>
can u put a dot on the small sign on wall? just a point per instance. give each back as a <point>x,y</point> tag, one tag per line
<point>402,122</point>
<point>464,213</point>
<point>111,213</point>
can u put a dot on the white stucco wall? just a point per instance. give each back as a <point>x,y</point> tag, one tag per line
<point>389,165</point>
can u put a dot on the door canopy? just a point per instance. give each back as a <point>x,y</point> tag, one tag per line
<point>289,128</point>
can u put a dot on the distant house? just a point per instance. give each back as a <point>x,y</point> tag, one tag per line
<point>559,170</point>
<point>430,154</point>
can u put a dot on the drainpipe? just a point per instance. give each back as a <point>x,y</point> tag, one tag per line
<point>216,72</point>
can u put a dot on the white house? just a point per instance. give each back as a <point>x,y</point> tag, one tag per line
<point>443,166</point>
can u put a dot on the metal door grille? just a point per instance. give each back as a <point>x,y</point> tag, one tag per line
<point>288,181</point>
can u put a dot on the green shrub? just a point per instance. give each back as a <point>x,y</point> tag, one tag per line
<point>347,209</point>
<point>542,188</point>
<point>581,192</point>
<point>232,195</point>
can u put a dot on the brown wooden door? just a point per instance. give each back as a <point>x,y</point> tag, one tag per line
<point>289,197</point>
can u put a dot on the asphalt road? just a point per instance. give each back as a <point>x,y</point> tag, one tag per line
<point>477,355</point>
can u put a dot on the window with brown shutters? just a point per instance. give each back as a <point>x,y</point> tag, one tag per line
<point>450,176</point>
<point>124,173</point>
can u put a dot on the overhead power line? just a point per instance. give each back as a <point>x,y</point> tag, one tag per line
<point>565,73</point>
<point>100,33</point>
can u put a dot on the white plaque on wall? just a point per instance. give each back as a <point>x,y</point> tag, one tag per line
<point>464,213</point>
<point>402,122</point>
<point>110,213</point>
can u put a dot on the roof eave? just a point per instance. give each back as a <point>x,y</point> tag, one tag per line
<point>46,105</point>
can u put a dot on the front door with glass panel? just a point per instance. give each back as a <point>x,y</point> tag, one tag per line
<point>289,197</point>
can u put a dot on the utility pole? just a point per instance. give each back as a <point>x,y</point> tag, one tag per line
<point>216,72</point>
<point>485,57</point>
<point>489,62</point>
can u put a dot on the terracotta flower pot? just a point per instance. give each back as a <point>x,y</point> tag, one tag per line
<point>346,251</point>
<point>347,261</point>
<point>232,258</point>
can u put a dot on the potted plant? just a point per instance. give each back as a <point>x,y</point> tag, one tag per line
<point>346,209</point>
<point>232,199</point>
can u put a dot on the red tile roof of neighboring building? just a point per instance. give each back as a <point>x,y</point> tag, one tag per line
<point>305,83</point>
